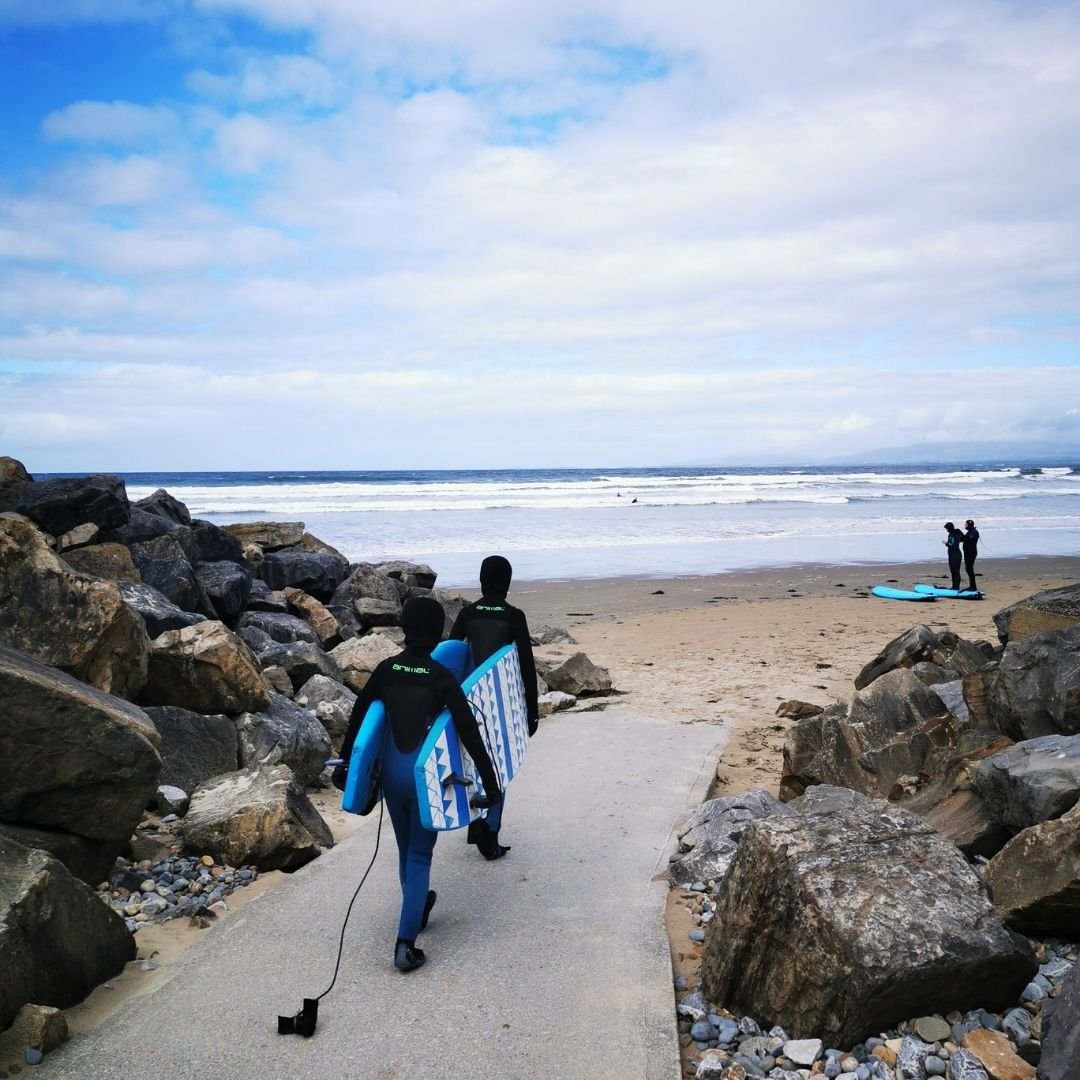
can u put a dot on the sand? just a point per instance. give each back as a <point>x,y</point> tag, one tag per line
<point>722,650</point>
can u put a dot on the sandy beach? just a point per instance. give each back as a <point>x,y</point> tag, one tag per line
<point>722,650</point>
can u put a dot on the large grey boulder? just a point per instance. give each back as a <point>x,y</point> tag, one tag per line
<point>165,505</point>
<point>1061,1033</point>
<point>1033,781</point>
<point>72,757</point>
<point>1052,609</point>
<point>256,816</point>
<point>227,584</point>
<point>284,733</point>
<point>837,924</point>
<point>414,575</point>
<point>331,702</point>
<point>214,544</point>
<point>58,506</point>
<point>281,627</point>
<point>110,561</point>
<point>892,729</point>
<point>162,563</point>
<point>300,660</point>
<point>57,939</point>
<point>268,535</point>
<point>709,839</point>
<point>300,568</point>
<point>89,860</point>
<point>207,668</point>
<point>574,674</point>
<point>194,747</point>
<point>1035,879</point>
<point>143,527</point>
<point>156,610</point>
<point>921,644</point>
<point>76,623</point>
<point>358,657</point>
<point>1037,687</point>
<point>365,582</point>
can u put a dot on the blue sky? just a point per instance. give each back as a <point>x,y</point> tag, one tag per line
<point>345,234</point>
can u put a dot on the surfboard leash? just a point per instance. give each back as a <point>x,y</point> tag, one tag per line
<point>303,1023</point>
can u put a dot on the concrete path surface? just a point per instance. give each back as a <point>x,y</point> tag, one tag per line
<point>551,963</point>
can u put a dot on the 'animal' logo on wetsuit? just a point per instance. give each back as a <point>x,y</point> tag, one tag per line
<point>410,670</point>
<point>490,607</point>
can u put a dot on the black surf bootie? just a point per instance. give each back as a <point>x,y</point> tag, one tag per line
<point>407,957</point>
<point>487,842</point>
<point>429,903</point>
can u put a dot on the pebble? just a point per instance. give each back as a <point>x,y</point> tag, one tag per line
<point>803,1051</point>
<point>681,983</point>
<point>1033,992</point>
<point>932,1029</point>
<point>33,1056</point>
<point>703,1031</point>
<point>934,1066</point>
<point>696,935</point>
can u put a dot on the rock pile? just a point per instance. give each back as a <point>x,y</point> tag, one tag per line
<point>923,830</point>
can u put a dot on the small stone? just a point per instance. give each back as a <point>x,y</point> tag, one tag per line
<point>681,983</point>
<point>749,1026</point>
<point>803,1051</point>
<point>693,1006</point>
<point>1033,992</point>
<point>207,860</point>
<point>995,1052</point>
<point>885,1053</point>
<point>863,1072</point>
<point>696,935</point>
<point>727,1031</point>
<point>148,886</point>
<point>932,1029</point>
<point>934,1066</point>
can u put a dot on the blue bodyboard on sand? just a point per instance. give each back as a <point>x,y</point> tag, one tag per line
<point>497,697</point>
<point>956,594</point>
<point>888,593</point>
<point>359,797</point>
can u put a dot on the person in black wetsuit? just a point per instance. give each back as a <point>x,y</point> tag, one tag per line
<point>414,689</point>
<point>488,624</point>
<point>952,547</point>
<point>970,544</point>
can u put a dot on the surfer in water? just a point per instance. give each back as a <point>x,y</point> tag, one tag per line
<point>970,544</point>
<point>414,689</point>
<point>487,625</point>
<point>952,548</point>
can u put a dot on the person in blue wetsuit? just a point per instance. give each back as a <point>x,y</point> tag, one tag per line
<point>487,625</point>
<point>970,544</point>
<point>414,689</point>
<point>952,548</point>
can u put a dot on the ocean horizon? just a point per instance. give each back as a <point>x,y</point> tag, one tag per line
<point>566,524</point>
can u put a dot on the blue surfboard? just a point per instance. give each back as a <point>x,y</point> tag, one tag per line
<point>888,593</point>
<point>956,594</point>
<point>497,697</point>
<point>360,795</point>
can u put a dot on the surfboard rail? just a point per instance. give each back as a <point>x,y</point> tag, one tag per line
<point>886,592</point>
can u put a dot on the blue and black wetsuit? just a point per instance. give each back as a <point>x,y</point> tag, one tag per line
<point>489,624</point>
<point>970,544</point>
<point>414,689</point>
<point>952,548</point>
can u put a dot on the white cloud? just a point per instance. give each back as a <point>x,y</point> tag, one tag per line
<point>118,122</point>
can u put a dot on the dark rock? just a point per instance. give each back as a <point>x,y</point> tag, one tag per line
<point>110,561</point>
<point>826,799</point>
<point>1033,781</point>
<point>371,613</point>
<point>798,710</point>
<point>1053,609</point>
<point>300,660</point>
<point>1035,878</point>
<point>284,734</point>
<point>58,940</point>
<point>163,564</point>
<point>228,586</point>
<point>281,627</point>
<point>414,575</point>
<point>214,544</point>
<point>164,505</point>
<point>313,543</point>
<point>1061,1033</point>
<point>268,535</point>
<point>891,729</point>
<point>59,505</point>
<point>843,923</point>
<point>1037,687</point>
<point>262,598</point>
<point>78,624</point>
<point>89,860</point>
<point>331,702</point>
<point>194,747</point>
<point>365,582</point>
<point>918,644</point>
<point>71,757</point>
<point>300,568</point>
<point>206,668</point>
<point>156,610</point>
<point>256,817</point>
<point>144,527</point>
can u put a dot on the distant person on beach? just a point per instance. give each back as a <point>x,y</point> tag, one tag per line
<point>414,689</point>
<point>487,625</point>
<point>952,547</point>
<point>970,545</point>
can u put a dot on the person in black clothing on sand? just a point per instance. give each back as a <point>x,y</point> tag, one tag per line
<point>487,625</point>
<point>970,544</point>
<point>952,547</point>
<point>414,689</point>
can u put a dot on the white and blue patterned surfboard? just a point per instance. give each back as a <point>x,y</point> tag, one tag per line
<point>497,697</point>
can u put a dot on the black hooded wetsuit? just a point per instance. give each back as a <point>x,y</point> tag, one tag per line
<point>489,624</point>
<point>971,553</point>
<point>952,548</point>
<point>414,689</point>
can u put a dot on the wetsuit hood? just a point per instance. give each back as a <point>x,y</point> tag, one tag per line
<point>495,574</point>
<point>423,621</point>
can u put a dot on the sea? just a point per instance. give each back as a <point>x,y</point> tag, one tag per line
<point>569,524</point>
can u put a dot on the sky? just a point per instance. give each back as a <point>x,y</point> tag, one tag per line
<point>252,234</point>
